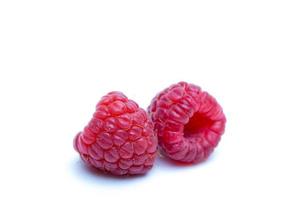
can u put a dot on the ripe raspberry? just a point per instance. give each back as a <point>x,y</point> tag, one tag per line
<point>119,139</point>
<point>189,122</point>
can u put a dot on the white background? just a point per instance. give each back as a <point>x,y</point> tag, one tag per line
<point>57,58</point>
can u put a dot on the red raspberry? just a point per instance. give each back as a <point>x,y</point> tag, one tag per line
<point>189,122</point>
<point>119,139</point>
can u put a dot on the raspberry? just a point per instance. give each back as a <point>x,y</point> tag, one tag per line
<point>119,139</point>
<point>189,122</point>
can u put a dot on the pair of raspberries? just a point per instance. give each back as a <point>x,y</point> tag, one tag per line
<point>185,122</point>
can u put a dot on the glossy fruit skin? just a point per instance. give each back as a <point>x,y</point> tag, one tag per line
<point>189,122</point>
<point>119,139</point>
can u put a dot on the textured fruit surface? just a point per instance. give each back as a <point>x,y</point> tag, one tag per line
<point>119,139</point>
<point>189,122</point>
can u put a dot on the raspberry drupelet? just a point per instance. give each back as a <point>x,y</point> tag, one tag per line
<point>119,139</point>
<point>189,122</point>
